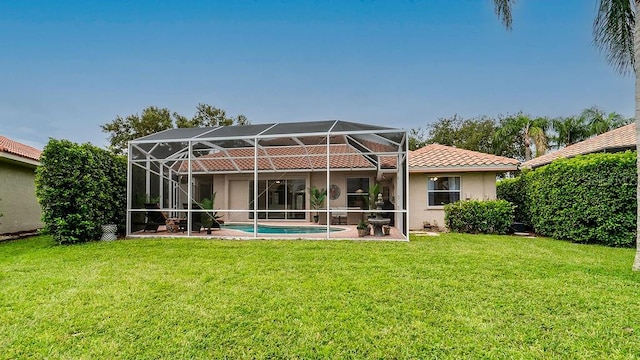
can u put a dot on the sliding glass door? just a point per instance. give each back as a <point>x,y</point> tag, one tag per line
<point>274,195</point>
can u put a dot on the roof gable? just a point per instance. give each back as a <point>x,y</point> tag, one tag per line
<point>15,148</point>
<point>438,157</point>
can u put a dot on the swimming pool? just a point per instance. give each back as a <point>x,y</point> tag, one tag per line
<point>275,229</point>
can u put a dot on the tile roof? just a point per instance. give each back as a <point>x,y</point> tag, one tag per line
<point>436,157</point>
<point>618,139</point>
<point>282,157</point>
<point>13,147</point>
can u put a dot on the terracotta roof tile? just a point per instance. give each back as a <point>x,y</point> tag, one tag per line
<point>436,156</point>
<point>13,147</point>
<point>292,158</point>
<point>621,138</point>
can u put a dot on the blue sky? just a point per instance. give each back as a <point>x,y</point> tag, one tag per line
<point>69,66</point>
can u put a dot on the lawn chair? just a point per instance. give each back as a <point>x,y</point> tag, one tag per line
<point>196,224</point>
<point>155,218</point>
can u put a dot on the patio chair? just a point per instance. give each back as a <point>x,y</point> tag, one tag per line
<point>155,218</point>
<point>196,224</point>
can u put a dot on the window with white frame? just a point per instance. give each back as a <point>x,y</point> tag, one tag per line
<point>443,190</point>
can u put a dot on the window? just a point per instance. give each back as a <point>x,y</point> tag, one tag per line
<point>356,189</point>
<point>443,190</point>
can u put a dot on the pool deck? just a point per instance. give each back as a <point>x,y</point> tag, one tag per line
<point>349,233</point>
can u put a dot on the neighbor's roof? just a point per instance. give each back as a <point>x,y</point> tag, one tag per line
<point>12,147</point>
<point>622,138</point>
<point>439,158</point>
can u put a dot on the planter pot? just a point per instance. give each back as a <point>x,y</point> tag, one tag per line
<point>386,230</point>
<point>315,218</point>
<point>363,232</point>
<point>109,232</point>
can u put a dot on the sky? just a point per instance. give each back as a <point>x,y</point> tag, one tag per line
<point>67,67</point>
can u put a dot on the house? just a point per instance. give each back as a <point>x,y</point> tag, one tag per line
<point>18,203</point>
<point>620,139</point>
<point>262,173</point>
<point>439,175</point>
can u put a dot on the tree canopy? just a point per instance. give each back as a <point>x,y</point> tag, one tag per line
<point>520,136</point>
<point>153,119</point>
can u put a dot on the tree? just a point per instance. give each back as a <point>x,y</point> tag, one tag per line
<point>207,115</point>
<point>416,138</point>
<point>472,134</point>
<point>154,119</point>
<point>616,33</point>
<point>525,131</point>
<point>570,130</point>
<point>599,122</point>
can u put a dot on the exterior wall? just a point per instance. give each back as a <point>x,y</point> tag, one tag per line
<point>473,185</point>
<point>339,178</point>
<point>18,198</point>
<point>232,190</point>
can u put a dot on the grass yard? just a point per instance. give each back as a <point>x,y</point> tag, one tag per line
<point>452,296</point>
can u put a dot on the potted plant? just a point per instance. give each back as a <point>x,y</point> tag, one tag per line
<point>209,219</point>
<point>316,199</point>
<point>363,228</point>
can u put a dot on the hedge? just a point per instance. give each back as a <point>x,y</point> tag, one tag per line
<point>514,190</point>
<point>586,199</point>
<point>80,188</point>
<point>475,216</point>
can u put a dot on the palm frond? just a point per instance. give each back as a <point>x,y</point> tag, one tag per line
<point>503,10</point>
<point>613,30</point>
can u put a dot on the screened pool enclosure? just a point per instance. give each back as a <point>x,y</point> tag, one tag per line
<point>264,174</point>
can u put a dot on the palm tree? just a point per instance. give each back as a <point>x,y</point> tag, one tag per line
<point>570,130</point>
<point>614,30</point>
<point>600,122</point>
<point>525,131</point>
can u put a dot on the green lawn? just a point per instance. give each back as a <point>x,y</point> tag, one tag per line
<point>452,296</point>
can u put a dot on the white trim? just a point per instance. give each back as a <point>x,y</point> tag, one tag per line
<point>429,170</point>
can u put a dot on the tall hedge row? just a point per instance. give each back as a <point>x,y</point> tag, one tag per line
<point>80,188</point>
<point>514,190</point>
<point>586,199</point>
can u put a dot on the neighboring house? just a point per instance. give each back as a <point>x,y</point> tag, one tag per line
<point>439,175</point>
<point>620,139</point>
<point>18,204</point>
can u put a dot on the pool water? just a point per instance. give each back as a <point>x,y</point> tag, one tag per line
<point>273,229</point>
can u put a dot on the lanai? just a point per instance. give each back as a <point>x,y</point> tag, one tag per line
<point>261,173</point>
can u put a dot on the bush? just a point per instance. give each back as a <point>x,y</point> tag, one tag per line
<point>586,199</point>
<point>474,216</point>
<point>515,191</point>
<point>80,188</point>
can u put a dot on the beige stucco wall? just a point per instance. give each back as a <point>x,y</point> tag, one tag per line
<point>18,199</point>
<point>232,190</point>
<point>473,185</point>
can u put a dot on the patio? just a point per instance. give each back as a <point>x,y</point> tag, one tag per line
<point>347,232</point>
<point>263,174</point>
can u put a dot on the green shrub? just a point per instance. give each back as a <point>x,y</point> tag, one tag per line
<point>514,190</point>
<point>586,199</point>
<point>80,188</point>
<point>474,216</point>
